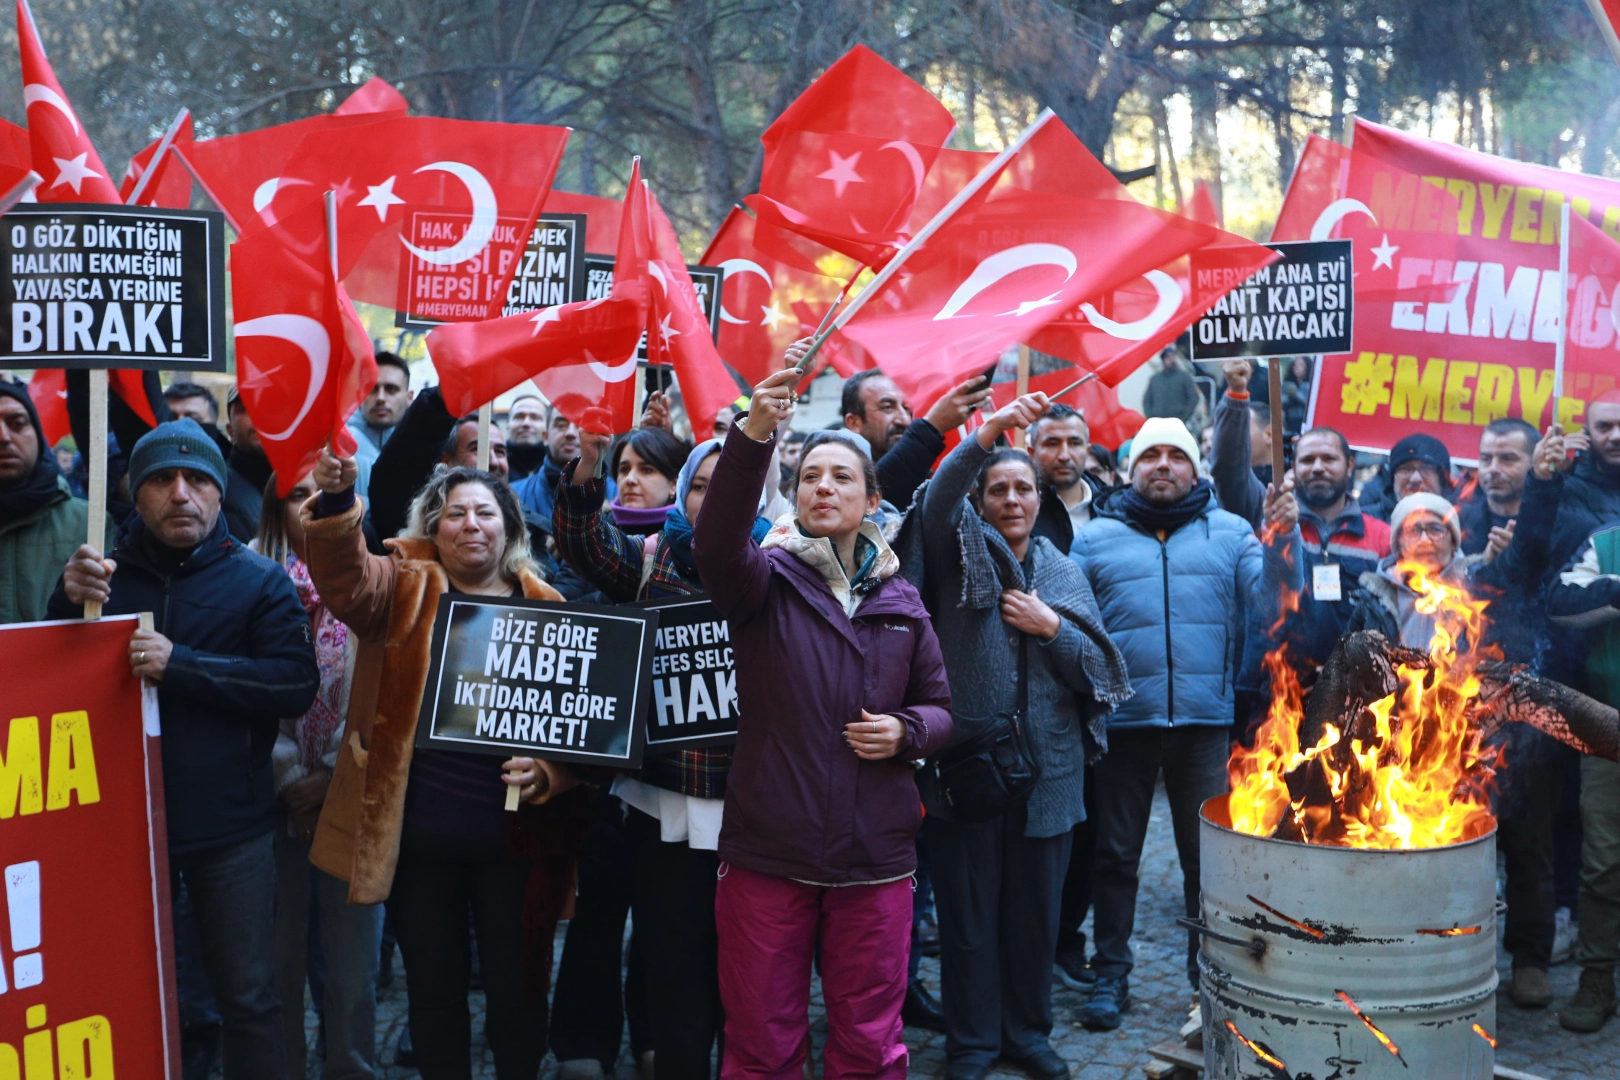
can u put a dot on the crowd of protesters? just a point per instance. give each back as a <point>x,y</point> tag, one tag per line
<point>1089,620</point>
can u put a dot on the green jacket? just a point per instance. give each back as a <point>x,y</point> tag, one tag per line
<point>34,549</point>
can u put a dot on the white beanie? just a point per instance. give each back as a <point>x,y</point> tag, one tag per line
<point>1163,431</point>
<point>1435,505</point>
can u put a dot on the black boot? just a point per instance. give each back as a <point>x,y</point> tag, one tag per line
<point>921,1010</point>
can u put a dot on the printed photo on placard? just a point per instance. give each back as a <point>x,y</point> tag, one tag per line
<point>694,680</point>
<point>567,682</point>
<point>94,286</point>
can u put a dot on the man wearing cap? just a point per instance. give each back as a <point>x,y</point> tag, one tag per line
<point>1170,571</point>
<point>1416,463</point>
<point>230,654</point>
<point>41,523</point>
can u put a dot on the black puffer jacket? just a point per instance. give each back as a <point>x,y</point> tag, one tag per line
<point>242,660</point>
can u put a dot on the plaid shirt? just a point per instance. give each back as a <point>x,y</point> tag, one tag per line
<point>614,561</point>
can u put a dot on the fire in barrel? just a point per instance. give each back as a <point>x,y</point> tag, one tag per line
<point>1349,902</point>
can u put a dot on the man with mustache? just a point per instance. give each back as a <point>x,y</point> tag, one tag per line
<point>230,654</point>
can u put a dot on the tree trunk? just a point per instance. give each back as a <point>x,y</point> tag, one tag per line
<point>1206,140</point>
<point>690,26</point>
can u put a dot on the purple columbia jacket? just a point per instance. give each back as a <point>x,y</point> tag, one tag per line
<point>799,803</point>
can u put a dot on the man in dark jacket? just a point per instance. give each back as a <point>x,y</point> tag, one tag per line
<point>1507,447</point>
<point>230,655</point>
<point>1416,463</point>
<point>905,449</point>
<point>1058,442</point>
<point>248,473</point>
<point>1169,570</point>
<point>1172,391</point>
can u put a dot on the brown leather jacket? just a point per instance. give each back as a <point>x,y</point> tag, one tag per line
<point>389,602</point>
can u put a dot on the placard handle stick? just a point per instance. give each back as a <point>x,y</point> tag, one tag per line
<point>332,258</point>
<point>97,459</point>
<point>1020,441</point>
<point>1274,380</point>
<point>512,797</point>
<point>1563,307</point>
<point>151,169</point>
<point>986,175</point>
<point>486,418</point>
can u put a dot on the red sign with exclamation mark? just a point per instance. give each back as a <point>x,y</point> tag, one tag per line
<point>86,965</point>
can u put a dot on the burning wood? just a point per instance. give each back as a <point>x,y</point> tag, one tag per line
<point>1387,751</point>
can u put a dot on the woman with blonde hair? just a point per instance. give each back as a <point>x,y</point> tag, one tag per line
<point>426,829</point>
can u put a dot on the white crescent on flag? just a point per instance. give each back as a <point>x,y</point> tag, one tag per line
<point>265,194</point>
<point>1335,212</point>
<point>611,373</point>
<point>909,152</point>
<point>733,267</point>
<point>994,268</point>
<point>1169,300</point>
<point>479,230</point>
<point>311,337</point>
<point>38,92</point>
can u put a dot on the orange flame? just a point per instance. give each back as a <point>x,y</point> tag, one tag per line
<point>1372,1027</point>
<point>1409,774</point>
<point>1259,1051</point>
<point>1482,1033</point>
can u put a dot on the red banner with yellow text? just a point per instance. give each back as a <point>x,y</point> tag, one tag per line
<point>86,970</point>
<point>1458,299</point>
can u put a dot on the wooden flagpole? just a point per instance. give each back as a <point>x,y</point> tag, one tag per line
<point>1274,381</point>
<point>19,189</point>
<point>1020,436</point>
<point>986,175</point>
<point>96,495</point>
<point>1563,310</point>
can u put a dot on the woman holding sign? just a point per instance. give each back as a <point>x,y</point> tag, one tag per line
<point>674,804</point>
<point>841,686</point>
<point>427,831</point>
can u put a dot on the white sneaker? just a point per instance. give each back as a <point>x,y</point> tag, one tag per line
<point>1565,932</point>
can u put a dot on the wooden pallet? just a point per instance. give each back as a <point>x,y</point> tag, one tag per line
<point>1174,1061</point>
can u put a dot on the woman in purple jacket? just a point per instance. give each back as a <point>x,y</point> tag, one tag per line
<point>840,675</point>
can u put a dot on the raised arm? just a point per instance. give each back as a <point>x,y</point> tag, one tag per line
<point>735,572</point>
<point>601,552</point>
<point>355,585</point>
<point>407,460</point>
<point>1240,492</point>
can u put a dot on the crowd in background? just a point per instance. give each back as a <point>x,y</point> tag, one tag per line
<point>910,598</point>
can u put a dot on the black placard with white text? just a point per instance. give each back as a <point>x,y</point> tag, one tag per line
<point>550,272</point>
<point>694,678</point>
<point>1304,303</point>
<point>567,682</point>
<point>98,286</point>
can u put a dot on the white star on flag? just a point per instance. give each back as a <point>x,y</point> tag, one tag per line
<point>842,173</point>
<point>1384,254</point>
<point>772,316</point>
<point>73,171</point>
<point>1027,306</point>
<point>255,378</point>
<point>381,196</point>
<point>667,330</point>
<point>541,317</point>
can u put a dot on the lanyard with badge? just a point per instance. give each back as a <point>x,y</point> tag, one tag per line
<point>1325,584</point>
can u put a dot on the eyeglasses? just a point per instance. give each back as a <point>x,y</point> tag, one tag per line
<point>1434,530</point>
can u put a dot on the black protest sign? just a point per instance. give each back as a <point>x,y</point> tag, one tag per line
<point>694,682</point>
<point>706,282</point>
<point>96,286</point>
<point>551,271</point>
<point>1302,303</point>
<point>567,682</point>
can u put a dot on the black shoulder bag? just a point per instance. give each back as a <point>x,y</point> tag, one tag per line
<point>994,771</point>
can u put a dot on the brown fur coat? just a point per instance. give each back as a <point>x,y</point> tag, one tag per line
<point>389,601</point>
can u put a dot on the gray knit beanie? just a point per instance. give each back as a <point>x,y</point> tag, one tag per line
<point>178,444</point>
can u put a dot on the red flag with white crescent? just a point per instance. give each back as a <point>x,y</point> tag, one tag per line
<point>582,355</point>
<point>61,149</point>
<point>303,358</point>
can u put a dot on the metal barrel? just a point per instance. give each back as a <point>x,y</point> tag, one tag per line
<point>1325,961</point>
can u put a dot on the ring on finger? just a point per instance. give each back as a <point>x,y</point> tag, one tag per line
<point>140,656</point>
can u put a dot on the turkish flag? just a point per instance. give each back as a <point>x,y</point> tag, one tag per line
<point>1010,261</point>
<point>303,359</point>
<point>242,173</point>
<point>582,355</point>
<point>1318,178</point>
<point>61,148</point>
<point>171,187</point>
<point>375,97</point>
<point>601,217</point>
<point>846,161</point>
<point>767,303</point>
<point>1607,14</point>
<point>458,196</point>
<point>678,331</point>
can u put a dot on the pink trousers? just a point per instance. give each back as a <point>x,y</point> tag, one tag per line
<point>769,927</point>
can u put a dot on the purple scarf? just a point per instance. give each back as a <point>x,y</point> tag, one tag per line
<point>638,519</point>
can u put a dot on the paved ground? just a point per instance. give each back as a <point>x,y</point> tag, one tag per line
<point>1531,1041</point>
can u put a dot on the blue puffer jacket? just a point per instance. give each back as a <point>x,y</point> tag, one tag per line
<point>1172,606</point>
